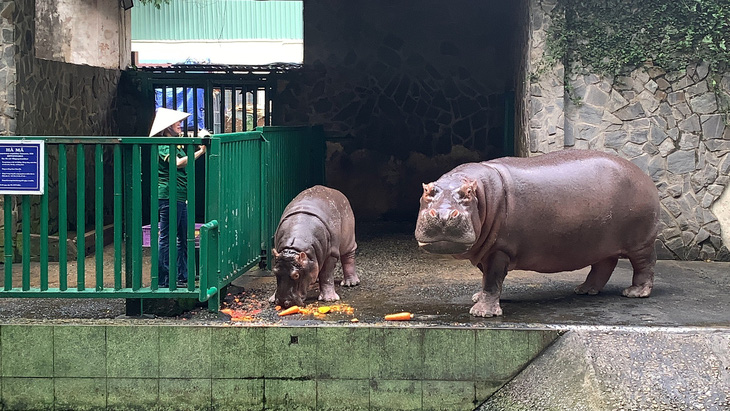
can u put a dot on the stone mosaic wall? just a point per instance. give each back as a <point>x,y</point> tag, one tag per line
<point>671,124</point>
<point>55,98</point>
<point>403,102</point>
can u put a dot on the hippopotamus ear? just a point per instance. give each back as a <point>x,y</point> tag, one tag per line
<point>301,258</point>
<point>428,190</point>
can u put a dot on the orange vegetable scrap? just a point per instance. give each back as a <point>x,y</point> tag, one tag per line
<point>227,311</point>
<point>354,320</point>
<point>291,310</point>
<point>324,309</point>
<point>277,308</point>
<point>404,316</point>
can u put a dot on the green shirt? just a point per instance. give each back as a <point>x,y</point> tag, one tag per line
<point>163,182</point>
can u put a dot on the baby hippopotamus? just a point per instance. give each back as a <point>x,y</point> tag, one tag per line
<point>316,229</point>
<point>556,212</point>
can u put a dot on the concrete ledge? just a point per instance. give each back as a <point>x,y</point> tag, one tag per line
<point>629,368</point>
<point>222,367</point>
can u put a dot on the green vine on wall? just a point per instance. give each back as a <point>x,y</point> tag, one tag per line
<point>611,37</point>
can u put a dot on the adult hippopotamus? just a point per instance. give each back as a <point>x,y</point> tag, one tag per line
<point>555,212</point>
<point>316,229</point>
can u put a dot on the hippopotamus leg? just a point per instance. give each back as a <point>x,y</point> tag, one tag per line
<point>643,263</point>
<point>493,272</point>
<point>597,277</point>
<point>348,269</point>
<point>327,281</point>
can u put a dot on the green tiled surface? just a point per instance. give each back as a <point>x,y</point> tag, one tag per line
<point>287,395</point>
<point>27,350</point>
<point>343,353</point>
<point>343,395</point>
<point>80,393</point>
<point>132,393</point>
<point>132,351</point>
<point>79,351</point>
<point>397,354</point>
<point>448,395</point>
<point>506,345</point>
<point>27,393</point>
<point>448,354</point>
<point>238,352</point>
<point>185,352</point>
<point>238,394</point>
<point>396,395</point>
<point>250,368</point>
<point>291,352</point>
<point>185,394</point>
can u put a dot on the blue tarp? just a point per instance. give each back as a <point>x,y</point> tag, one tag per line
<point>180,104</point>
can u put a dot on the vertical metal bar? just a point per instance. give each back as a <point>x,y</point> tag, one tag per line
<point>154,216</point>
<point>185,109</point>
<point>172,195</point>
<point>8,247</point>
<point>222,112</point>
<point>268,93</point>
<point>62,213</point>
<point>255,104</point>
<point>208,105</point>
<point>26,243</point>
<point>99,214</point>
<point>44,224</point>
<point>234,110</point>
<point>136,217</point>
<point>80,217</point>
<point>191,216</point>
<point>118,217</point>
<point>196,111</point>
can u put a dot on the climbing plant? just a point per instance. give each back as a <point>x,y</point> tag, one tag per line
<point>610,36</point>
<point>156,3</point>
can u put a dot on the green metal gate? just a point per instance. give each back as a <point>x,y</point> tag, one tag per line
<point>249,178</point>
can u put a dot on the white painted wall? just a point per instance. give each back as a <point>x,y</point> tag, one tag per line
<point>96,33</point>
<point>220,52</point>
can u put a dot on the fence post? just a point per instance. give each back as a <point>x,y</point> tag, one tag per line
<point>265,215</point>
<point>133,305</point>
<point>212,212</point>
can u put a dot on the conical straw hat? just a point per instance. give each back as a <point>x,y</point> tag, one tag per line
<point>165,118</point>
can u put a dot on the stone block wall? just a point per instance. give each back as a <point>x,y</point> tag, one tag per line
<point>55,98</point>
<point>673,125</point>
<point>405,91</point>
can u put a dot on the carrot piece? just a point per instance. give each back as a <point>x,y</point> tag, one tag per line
<point>404,316</point>
<point>227,311</point>
<point>277,308</point>
<point>290,310</point>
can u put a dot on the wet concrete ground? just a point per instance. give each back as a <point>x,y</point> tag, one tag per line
<point>397,276</point>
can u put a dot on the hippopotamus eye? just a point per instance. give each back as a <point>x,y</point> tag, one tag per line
<point>467,190</point>
<point>294,275</point>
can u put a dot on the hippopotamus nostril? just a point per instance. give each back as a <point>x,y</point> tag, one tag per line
<point>454,214</point>
<point>433,213</point>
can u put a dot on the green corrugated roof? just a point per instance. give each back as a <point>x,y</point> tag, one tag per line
<point>218,20</point>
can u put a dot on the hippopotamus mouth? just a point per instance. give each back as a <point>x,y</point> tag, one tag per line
<point>445,247</point>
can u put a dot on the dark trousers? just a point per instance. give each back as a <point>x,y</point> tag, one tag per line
<point>182,239</point>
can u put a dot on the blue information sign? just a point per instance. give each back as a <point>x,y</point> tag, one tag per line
<point>21,166</point>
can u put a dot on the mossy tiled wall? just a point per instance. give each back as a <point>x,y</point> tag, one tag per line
<point>80,367</point>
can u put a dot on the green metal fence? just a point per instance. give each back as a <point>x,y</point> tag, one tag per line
<point>97,183</point>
